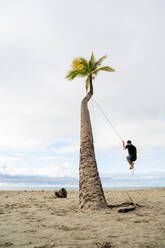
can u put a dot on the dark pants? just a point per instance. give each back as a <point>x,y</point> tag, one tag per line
<point>131,158</point>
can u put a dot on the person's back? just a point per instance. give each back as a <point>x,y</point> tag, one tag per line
<point>132,152</point>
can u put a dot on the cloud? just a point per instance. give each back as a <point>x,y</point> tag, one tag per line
<point>67,149</point>
<point>48,169</point>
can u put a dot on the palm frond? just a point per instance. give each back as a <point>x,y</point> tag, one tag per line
<point>87,82</point>
<point>104,68</point>
<point>84,62</point>
<point>72,74</point>
<point>83,73</point>
<point>92,61</point>
<point>83,68</point>
<point>99,61</point>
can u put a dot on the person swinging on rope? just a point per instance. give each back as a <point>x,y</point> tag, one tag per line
<point>132,153</point>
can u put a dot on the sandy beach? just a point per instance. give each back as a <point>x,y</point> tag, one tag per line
<point>36,219</point>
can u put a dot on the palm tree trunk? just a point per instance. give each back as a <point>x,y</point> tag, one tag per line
<point>91,194</point>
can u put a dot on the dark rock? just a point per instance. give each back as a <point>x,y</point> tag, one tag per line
<point>62,193</point>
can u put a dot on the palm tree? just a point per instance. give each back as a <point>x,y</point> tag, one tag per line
<point>91,194</point>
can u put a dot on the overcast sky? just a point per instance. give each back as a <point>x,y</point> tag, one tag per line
<point>40,109</point>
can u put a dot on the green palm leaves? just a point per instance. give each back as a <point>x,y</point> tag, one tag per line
<point>83,68</point>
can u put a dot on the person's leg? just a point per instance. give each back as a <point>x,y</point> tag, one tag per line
<point>130,162</point>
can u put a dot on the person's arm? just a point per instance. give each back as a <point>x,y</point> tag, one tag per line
<point>124,147</point>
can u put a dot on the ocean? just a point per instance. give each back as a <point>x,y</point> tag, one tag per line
<point>70,183</point>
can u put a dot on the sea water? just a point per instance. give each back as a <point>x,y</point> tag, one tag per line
<point>46,183</point>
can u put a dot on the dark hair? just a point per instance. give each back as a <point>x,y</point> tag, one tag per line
<point>129,142</point>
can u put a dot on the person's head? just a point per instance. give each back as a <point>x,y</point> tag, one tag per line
<point>129,142</point>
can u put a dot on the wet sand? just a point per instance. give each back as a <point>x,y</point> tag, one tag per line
<point>36,219</point>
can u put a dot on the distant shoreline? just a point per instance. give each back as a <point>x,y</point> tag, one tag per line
<point>114,182</point>
<point>76,188</point>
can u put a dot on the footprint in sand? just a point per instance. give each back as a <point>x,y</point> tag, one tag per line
<point>45,246</point>
<point>6,244</point>
<point>2,211</point>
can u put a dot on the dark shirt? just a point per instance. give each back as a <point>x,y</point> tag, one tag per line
<point>131,150</point>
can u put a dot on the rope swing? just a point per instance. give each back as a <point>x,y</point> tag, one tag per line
<point>110,123</point>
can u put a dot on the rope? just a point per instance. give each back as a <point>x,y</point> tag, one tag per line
<point>114,129</point>
<point>110,124</point>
